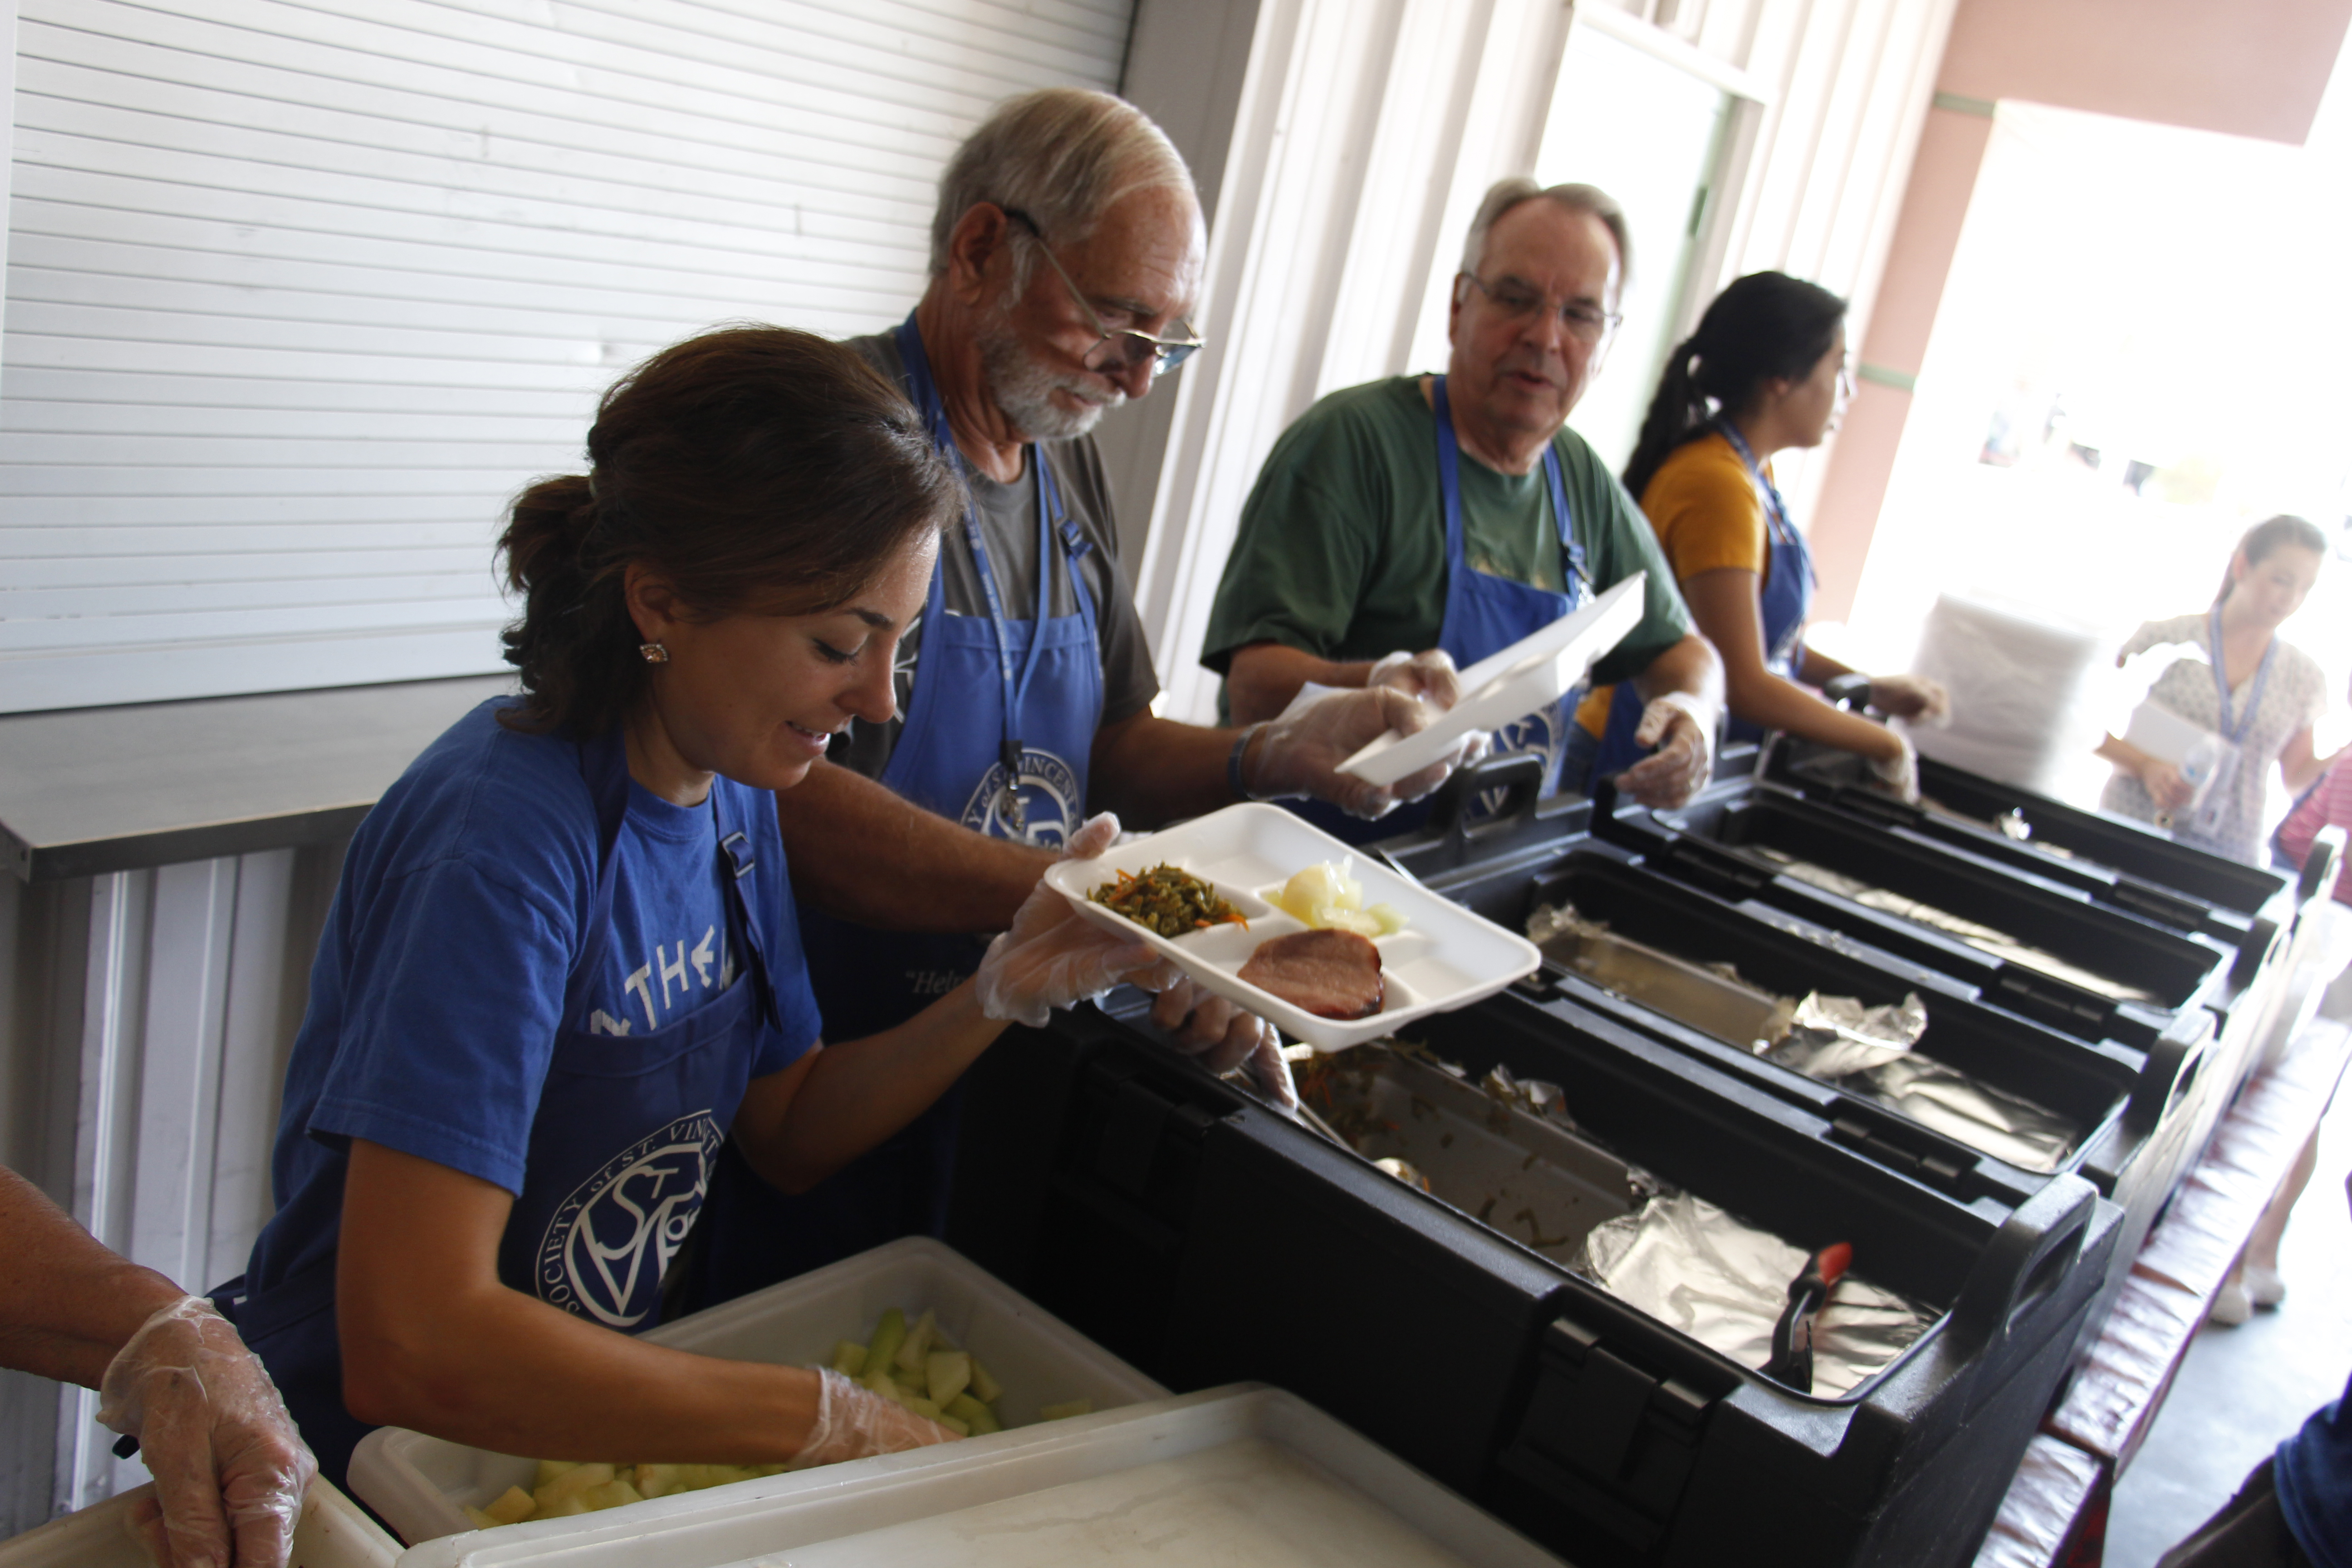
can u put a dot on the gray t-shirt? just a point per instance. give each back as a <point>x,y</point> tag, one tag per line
<point>1008,522</point>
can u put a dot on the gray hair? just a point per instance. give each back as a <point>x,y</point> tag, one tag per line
<point>1065,156</point>
<point>1505,194</point>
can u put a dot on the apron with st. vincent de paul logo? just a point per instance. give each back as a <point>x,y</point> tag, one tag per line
<point>1484,614</point>
<point>999,729</point>
<point>620,1155</point>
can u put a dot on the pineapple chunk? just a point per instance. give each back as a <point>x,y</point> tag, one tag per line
<point>548,1470</point>
<point>1063,1412</point>
<point>563,1507</point>
<point>660,1480</point>
<point>946,1375</point>
<point>849,1358</point>
<point>482,1521</point>
<point>569,1484</point>
<point>512,1506</point>
<point>612,1494</point>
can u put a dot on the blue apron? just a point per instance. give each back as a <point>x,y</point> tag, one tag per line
<point>1484,614</point>
<point>999,729</point>
<point>1782,604</point>
<point>620,1155</point>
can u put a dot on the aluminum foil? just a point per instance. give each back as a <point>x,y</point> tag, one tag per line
<point>1981,937</point>
<point>1693,1266</point>
<point>1984,1119</point>
<point>1831,1037</point>
<point>1867,1051</point>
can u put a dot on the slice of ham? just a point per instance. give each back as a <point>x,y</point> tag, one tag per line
<point>1330,973</point>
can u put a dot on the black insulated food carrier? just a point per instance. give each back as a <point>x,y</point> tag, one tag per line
<point>1207,1238</point>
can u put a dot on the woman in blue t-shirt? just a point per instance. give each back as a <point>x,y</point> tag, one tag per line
<point>562,963</point>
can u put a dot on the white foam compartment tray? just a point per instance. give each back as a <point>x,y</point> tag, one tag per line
<point>421,1485</point>
<point>1280,1485</point>
<point>1504,687</point>
<point>1445,958</point>
<point>332,1533</point>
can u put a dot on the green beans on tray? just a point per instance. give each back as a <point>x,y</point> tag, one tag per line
<point>1168,901</point>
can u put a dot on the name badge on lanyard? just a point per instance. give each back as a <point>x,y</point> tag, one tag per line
<point>2206,820</point>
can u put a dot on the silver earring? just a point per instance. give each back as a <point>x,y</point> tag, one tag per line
<point>654,653</point>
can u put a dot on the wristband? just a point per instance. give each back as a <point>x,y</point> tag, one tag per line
<point>1234,761</point>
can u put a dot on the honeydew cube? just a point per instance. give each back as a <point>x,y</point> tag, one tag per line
<point>882,1382</point>
<point>917,1346</point>
<point>888,1335</point>
<point>511,1506</point>
<point>922,1406</point>
<point>848,1357</point>
<point>549,1470</point>
<point>612,1494</point>
<point>975,1416</point>
<point>1064,1411</point>
<point>481,1518</point>
<point>946,1375</point>
<point>984,1388</point>
<point>955,1424</point>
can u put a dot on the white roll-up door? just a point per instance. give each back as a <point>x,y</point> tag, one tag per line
<point>299,290</point>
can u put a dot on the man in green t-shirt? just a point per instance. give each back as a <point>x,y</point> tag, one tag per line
<point>1344,572</point>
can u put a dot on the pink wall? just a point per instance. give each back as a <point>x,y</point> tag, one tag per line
<point>2247,68</point>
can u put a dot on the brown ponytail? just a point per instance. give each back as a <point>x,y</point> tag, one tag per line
<point>2266,537</point>
<point>756,469</point>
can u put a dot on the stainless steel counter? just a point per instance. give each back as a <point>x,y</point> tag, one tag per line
<point>94,790</point>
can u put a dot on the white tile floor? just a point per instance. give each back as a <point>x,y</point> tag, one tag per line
<point>2242,1389</point>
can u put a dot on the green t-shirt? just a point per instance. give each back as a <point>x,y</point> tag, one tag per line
<point>1341,551</point>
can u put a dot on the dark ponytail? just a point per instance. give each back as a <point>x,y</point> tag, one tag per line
<point>756,469</point>
<point>1767,326</point>
<point>2265,538</point>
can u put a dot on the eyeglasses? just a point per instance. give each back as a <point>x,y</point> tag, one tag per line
<point>1586,322</point>
<point>1129,348</point>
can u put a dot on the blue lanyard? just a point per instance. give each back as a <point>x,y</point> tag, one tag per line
<point>1049,508</point>
<point>1774,507</point>
<point>1579,582</point>
<point>2235,733</point>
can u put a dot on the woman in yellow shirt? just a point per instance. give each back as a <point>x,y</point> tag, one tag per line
<point>1765,372</point>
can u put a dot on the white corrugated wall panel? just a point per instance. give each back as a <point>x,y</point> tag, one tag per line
<point>299,290</point>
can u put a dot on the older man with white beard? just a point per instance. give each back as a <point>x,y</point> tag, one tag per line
<point>1066,257</point>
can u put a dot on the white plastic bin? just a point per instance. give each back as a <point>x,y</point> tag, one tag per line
<point>333,1534</point>
<point>1244,1474</point>
<point>421,1485</point>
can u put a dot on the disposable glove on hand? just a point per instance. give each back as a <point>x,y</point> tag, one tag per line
<point>1682,727</point>
<point>1299,753</point>
<point>1053,957</point>
<point>229,1469</point>
<point>1429,675</point>
<point>1221,1036</point>
<point>852,1424</point>
<point>1912,697</point>
<point>1899,774</point>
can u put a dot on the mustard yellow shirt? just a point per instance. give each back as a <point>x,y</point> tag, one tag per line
<point>1707,514</point>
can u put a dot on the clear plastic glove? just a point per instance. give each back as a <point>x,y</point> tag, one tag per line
<point>1221,1036</point>
<point>1912,697</point>
<point>229,1469</point>
<point>1429,675</point>
<point>1898,775</point>
<point>2166,786</point>
<point>1300,753</point>
<point>852,1424</point>
<point>1682,727</point>
<point>1053,957</point>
